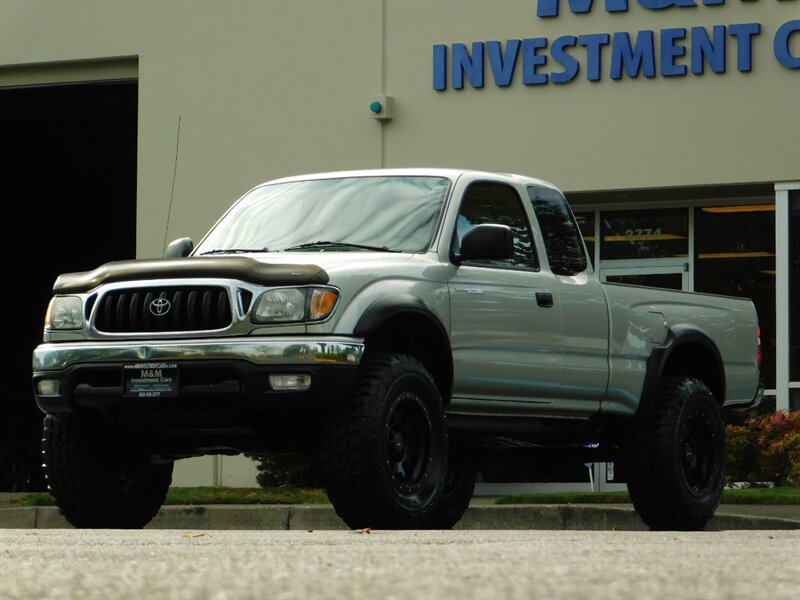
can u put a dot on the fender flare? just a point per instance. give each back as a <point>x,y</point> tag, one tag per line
<point>387,307</point>
<point>677,337</point>
<point>380,311</point>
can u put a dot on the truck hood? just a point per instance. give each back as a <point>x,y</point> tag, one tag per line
<point>271,269</point>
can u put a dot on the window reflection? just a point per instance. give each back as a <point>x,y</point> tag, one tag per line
<point>499,204</point>
<point>794,288</point>
<point>633,234</point>
<point>585,222</point>
<point>735,256</point>
<point>562,242</point>
<point>667,281</point>
<point>399,213</point>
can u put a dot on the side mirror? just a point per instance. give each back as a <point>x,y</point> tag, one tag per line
<point>179,248</point>
<point>487,242</point>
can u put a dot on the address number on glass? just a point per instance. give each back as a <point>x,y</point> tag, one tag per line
<point>643,235</point>
<point>150,380</point>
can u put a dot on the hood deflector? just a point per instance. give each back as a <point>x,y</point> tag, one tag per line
<point>224,267</point>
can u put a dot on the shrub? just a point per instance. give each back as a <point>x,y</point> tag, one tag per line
<point>765,448</point>
<point>286,468</point>
<point>743,456</point>
<point>780,442</point>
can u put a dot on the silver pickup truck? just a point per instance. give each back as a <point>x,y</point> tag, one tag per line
<point>400,326</point>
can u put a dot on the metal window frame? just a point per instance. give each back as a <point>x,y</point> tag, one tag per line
<point>782,383</point>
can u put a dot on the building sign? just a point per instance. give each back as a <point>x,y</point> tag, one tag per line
<point>672,52</point>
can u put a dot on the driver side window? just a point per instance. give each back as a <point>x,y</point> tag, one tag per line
<point>494,203</point>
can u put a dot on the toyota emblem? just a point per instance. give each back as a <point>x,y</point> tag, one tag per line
<point>159,307</point>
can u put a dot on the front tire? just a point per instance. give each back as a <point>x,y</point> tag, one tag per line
<point>99,476</point>
<point>677,458</point>
<point>459,487</point>
<point>384,455</point>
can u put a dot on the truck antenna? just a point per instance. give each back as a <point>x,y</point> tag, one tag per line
<point>172,191</point>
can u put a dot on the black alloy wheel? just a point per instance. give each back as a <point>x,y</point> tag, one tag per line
<point>676,457</point>
<point>408,435</point>
<point>383,456</point>
<point>697,448</point>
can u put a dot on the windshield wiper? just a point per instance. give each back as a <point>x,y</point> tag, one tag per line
<point>329,244</point>
<point>233,251</point>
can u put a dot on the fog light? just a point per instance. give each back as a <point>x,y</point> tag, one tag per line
<point>290,382</point>
<point>47,387</point>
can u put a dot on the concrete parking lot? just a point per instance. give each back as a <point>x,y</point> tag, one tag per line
<point>166,564</point>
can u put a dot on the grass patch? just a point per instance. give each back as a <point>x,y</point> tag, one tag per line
<point>205,495</point>
<point>567,498</point>
<point>296,495</point>
<point>776,495</point>
<point>33,499</point>
<point>270,495</point>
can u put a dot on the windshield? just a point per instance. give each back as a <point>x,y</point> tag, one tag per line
<point>354,213</point>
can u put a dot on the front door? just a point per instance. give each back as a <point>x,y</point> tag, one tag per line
<point>505,327</point>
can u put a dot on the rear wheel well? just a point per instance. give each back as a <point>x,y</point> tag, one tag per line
<point>419,336</point>
<point>697,360</point>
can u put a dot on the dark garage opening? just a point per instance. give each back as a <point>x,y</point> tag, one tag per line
<point>69,195</point>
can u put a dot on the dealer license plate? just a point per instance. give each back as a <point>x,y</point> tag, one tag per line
<point>150,380</point>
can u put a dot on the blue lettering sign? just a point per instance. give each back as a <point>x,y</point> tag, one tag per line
<point>559,54</point>
<point>531,61</point>
<point>670,50</point>
<point>460,64</point>
<point>593,43</point>
<point>549,8</point>
<point>781,45</point>
<point>440,67</point>
<point>503,65</point>
<point>704,50</point>
<point>662,4</point>
<point>471,66</point>
<point>641,57</point>
<point>744,33</point>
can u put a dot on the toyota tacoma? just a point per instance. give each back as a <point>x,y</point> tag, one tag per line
<point>399,326</point>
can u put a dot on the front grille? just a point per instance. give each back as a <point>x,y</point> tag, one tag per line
<point>180,308</point>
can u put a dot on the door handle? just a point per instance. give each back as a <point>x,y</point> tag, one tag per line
<point>544,299</point>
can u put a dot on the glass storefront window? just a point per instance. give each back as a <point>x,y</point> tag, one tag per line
<point>735,256</point>
<point>794,285</point>
<point>639,234</point>
<point>667,281</point>
<point>586,225</point>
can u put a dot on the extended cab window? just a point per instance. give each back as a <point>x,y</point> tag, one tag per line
<point>562,240</point>
<point>497,204</point>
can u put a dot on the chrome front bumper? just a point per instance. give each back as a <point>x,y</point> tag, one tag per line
<point>258,351</point>
<point>221,374</point>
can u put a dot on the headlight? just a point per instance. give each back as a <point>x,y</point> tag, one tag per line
<point>286,305</point>
<point>64,312</point>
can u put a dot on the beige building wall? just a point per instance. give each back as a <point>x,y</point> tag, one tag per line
<point>233,93</point>
<point>262,90</point>
<point>218,471</point>
<point>271,88</point>
<point>632,133</point>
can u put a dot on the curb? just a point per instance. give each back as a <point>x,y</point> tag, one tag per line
<point>322,517</point>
